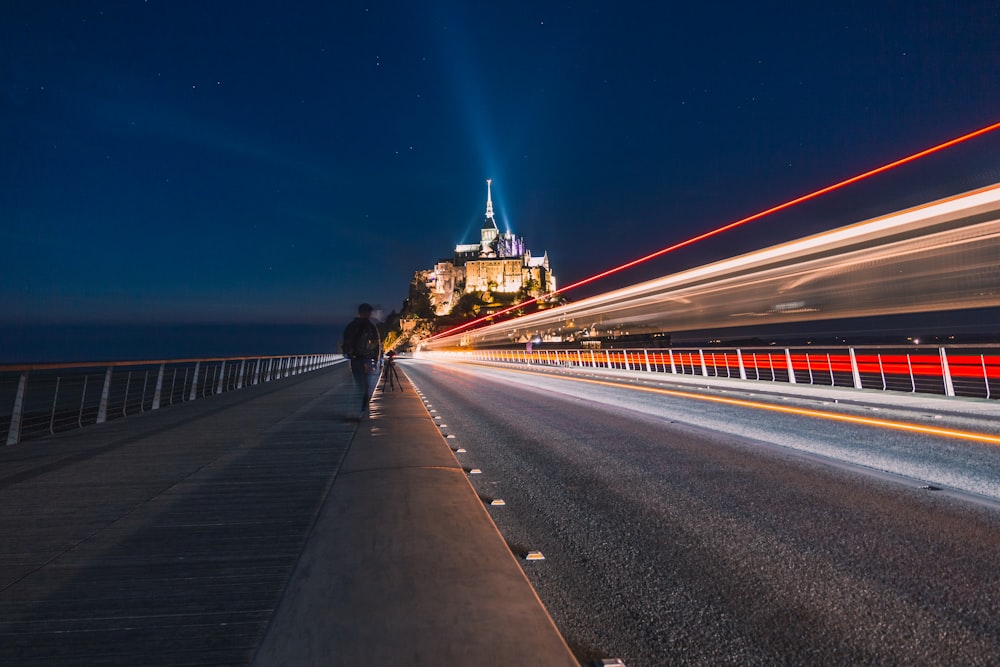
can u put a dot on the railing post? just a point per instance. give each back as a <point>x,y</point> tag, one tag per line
<point>854,368</point>
<point>704,368</point>
<point>194,382</point>
<point>55,403</point>
<point>949,387</point>
<point>673,366</point>
<point>739,360</point>
<point>986,375</point>
<point>625,356</point>
<point>648,368</point>
<point>607,354</point>
<point>102,411</point>
<point>14,432</point>
<point>157,393</point>
<point>83,399</point>
<point>239,378</point>
<point>222,376</point>
<point>791,368</point>
<point>142,399</point>
<point>128,386</point>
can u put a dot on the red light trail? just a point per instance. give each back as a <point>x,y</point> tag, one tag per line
<point>732,225</point>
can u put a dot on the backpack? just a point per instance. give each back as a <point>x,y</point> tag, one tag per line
<point>361,339</point>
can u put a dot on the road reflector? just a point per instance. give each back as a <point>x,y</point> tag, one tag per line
<point>497,501</point>
<point>475,471</point>
<point>460,450</point>
<point>450,435</point>
<point>534,555</point>
<point>612,662</point>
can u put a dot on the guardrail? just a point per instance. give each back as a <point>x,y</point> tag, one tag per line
<point>42,399</point>
<point>968,371</point>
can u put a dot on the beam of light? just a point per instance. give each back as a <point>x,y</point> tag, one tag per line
<point>985,438</point>
<point>719,230</point>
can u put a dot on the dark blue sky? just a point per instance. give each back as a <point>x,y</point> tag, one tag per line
<point>171,161</point>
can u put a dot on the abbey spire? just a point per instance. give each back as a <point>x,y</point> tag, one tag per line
<point>489,200</point>
<point>490,231</point>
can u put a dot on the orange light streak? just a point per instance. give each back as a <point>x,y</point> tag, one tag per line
<point>732,225</point>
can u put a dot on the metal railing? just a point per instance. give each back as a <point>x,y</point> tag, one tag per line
<point>967,371</point>
<point>43,399</point>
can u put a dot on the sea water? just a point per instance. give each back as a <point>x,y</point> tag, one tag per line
<point>20,344</point>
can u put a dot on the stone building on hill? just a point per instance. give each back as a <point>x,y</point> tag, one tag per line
<point>498,265</point>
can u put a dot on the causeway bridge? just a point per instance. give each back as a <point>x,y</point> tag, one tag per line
<point>246,516</point>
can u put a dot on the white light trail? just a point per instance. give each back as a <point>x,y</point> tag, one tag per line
<point>934,257</point>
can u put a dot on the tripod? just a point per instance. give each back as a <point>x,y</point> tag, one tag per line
<point>390,375</point>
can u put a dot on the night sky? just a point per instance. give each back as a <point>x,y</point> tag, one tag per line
<point>172,163</point>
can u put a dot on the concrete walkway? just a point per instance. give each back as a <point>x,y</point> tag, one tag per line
<point>404,565</point>
<point>259,525</point>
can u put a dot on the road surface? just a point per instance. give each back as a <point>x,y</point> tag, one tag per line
<point>678,530</point>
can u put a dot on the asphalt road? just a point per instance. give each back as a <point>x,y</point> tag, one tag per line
<point>677,531</point>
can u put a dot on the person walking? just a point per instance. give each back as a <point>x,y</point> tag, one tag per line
<point>362,344</point>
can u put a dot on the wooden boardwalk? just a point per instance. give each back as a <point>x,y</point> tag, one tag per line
<point>166,538</point>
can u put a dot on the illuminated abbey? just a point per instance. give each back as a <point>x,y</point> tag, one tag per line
<point>498,264</point>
